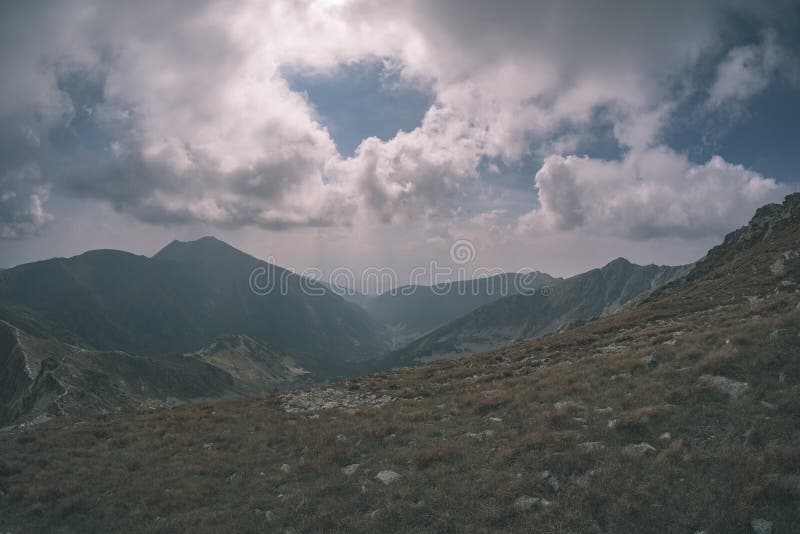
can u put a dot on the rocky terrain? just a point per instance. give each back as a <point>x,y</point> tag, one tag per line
<point>678,414</point>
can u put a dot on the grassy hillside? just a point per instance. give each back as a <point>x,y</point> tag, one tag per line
<point>679,415</point>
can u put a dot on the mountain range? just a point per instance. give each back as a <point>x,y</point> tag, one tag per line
<point>678,412</point>
<point>110,330</point>
<point>522,316</point>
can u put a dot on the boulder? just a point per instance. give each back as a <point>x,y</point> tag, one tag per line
<point>388,477</point>
<point>728,386</point>
<point>761,526</point>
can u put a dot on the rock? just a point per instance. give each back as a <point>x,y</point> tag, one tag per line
<point>591,446</point>
<point>612,424</point>
<point>267,515</point>
<point>388,477</point>
<point>350,469</point>
<point>776,334</point>
<point>728,386</point>
<point>496,419</point>
<point>666,436</point>
<point>614,349</point>
<point>480,436</point>
<point>285,468</point>
<point>638,449</point>
<point>778,267</point>
<point>761,526</point>
<point>341,438</point>
<point>651,361</point>
<point>526,502</point>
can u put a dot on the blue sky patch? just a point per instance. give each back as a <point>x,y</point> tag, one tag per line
<point>361,100</point>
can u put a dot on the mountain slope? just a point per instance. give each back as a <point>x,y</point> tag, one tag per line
<point>581,297</point>
<point>680,414</point>
<point>41,378</point>
<point>415,310</point>
<point>182,299</point>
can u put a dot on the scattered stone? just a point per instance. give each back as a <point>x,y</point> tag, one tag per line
<point>768,405</point>
<point>496,419</point>
<point>388,477</point>
<point>329,398</point>
<point>761,526</point>
<point>620,376</point>
<point>350,469</point>
<point>612,424</point>
<point>591,446</point>
<point>285,468</point>
<point>666,436</point>
<point>341,438</point>
<point>728,386</point>
<point>638,449</point>
<point>208,446</point>
<point>614,349</point>
<point>526,502</point>
<point>651,361</point>
<point>480,436</point>
<point>603,410</point>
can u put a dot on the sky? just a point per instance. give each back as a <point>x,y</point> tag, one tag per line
<point>549,135</point>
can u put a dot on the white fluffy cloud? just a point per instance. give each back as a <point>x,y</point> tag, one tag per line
<point>653,193</point>
<point>202,127</point>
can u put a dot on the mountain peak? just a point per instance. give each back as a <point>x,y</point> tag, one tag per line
<point>201,249</point>
<point>616,264</point>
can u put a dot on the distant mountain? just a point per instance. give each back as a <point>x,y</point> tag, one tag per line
<point>182,299</point>
<point>516,317</point>
<point>411,311</point>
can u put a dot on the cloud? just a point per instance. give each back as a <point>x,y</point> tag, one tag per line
<point>746,71</point>
<point>193,121</point>
<point>650,194</point>
<point>416,173</point>
<point>21,202</point>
